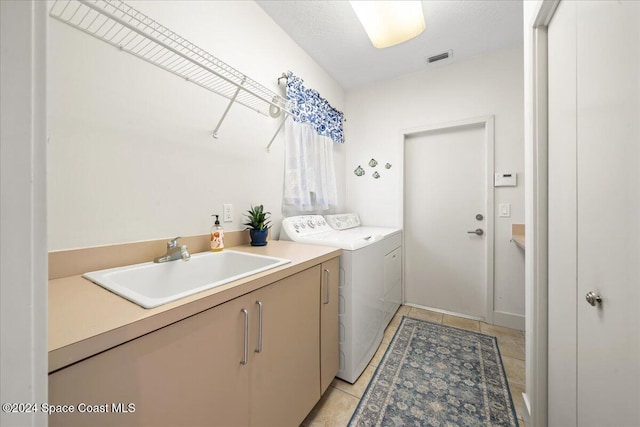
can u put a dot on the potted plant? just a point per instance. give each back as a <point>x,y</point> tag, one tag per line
<point>258,225</point>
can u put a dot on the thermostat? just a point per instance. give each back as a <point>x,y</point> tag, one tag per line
<point>506,179</point>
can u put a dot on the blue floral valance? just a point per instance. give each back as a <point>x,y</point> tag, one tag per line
<point>308,106</point>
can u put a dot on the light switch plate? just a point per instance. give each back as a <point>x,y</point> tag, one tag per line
<point>504,210</point>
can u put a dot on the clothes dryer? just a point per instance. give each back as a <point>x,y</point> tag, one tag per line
<point>363,311</point>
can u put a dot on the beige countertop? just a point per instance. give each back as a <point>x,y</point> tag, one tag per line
<point>517,234</point>
<point>85,319</point>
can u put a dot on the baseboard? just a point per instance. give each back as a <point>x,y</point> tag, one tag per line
<point>452,313</point>
<point>509,320</point>
<point>500,318</point>
<point>526,408</point>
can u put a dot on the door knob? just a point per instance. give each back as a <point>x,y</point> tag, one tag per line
<point>477,231</point>
<point>593,298</point>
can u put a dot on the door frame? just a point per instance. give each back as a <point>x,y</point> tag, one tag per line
<point>23,223</point>
<point>536,213</point>
<point>489,144</point>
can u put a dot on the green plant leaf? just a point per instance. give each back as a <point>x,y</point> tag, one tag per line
<point>258,219</point>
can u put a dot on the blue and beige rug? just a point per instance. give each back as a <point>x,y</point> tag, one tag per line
<point>436,375</point>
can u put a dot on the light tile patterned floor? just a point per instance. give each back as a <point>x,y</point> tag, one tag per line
<point>341,398</point>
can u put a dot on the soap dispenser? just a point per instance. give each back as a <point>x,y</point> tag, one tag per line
<point>217,236</point>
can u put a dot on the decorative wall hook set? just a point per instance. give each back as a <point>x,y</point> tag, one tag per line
<point>359,171</point>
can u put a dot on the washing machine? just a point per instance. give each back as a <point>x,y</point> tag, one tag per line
<point>370,280</point>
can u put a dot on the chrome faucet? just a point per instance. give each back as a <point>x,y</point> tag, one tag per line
<point>174,252</point>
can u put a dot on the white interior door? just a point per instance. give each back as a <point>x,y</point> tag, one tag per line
<point>594,177</point>
<point>445,189</point>
<point>608,161</point>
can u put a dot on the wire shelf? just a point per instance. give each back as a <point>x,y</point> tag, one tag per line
<point>129,30</point>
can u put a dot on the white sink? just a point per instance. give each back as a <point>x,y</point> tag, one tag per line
<point>152,284</point>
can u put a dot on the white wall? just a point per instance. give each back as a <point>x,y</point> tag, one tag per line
<point>487,85</point>
<point>23,259</point>
<point>131,155</point>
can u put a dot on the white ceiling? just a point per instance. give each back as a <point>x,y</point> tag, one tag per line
<point>332,35</point>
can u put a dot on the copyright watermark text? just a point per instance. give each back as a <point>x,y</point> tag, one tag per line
<point>28,408</point>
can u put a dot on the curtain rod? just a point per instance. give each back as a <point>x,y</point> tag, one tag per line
<point>284,76</point>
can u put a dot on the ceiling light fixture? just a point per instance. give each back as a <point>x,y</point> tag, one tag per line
<point>388,23</point>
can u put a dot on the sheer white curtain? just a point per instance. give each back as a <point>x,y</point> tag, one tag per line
<point>309,178</point>
<point>310,132</point>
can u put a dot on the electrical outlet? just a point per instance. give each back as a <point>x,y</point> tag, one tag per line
<point>227,212</point>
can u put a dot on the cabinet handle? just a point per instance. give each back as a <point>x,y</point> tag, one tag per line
<point>327,280</point>
<point>259,349</point>
<point>245,353</point>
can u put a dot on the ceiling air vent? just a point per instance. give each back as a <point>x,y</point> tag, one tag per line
<point>440,57</point>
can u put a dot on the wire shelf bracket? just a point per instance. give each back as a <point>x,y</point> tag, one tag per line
<point>286,115</point>
<point>129,30</point>
<point>226,110</point>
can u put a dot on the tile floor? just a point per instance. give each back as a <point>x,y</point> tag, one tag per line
<point>341,398</point>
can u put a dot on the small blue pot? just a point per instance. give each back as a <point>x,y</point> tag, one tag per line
<point>259,237</point>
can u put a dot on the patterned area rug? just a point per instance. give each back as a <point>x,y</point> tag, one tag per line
<point>436,375</point>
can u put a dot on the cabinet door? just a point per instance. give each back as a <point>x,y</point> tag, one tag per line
<point>285,384</point>
<point>329,352</point>
<point>188,373</point>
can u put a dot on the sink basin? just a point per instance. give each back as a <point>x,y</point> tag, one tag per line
<point>151,284</point>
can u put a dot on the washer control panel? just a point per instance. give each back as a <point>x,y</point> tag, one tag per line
<point>343,221</point>
<point>303,225</point>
